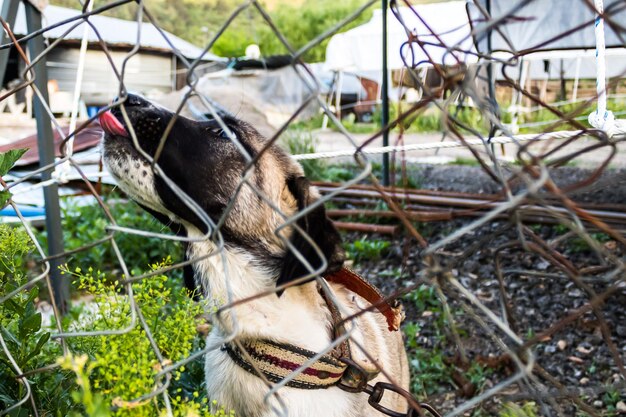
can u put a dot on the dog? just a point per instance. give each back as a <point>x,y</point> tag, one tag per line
<point>258,254</point>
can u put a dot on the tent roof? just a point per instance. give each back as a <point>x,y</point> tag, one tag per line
<point>115,32</point>
<point>360,49</point>
<point>538,24</point>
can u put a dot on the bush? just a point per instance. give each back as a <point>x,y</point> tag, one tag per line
<point>20,322</point>
<point>299,24</point>
<point>124,367</point>
<point>103,370</point>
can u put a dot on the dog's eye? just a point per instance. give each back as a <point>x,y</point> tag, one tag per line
<point>220,132</point>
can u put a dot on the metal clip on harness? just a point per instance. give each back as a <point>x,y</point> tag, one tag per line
<point>355,380</point>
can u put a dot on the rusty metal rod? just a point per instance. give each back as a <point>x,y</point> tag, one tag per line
<point>440,214</point>
<point>367,187</point>
<point>367,228</point>
<point>406,193</point>
<point>474,204</point>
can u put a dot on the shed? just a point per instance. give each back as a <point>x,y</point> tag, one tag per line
<point>155,68</point>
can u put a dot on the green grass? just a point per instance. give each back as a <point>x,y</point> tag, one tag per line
<point>470,162</point>
<point>431,368</point>
<point>366,249</point>
<point>432,120</point>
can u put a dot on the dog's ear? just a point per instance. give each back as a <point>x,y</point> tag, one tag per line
<point>320,230</point>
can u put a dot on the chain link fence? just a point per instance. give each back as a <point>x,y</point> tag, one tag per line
<point>524,316</point>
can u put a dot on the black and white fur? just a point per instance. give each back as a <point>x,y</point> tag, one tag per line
<point>207,165</point>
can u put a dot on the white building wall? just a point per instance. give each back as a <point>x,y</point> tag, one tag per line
<point>145,73</point>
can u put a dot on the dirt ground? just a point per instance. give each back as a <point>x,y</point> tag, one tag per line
<point>578,356</point>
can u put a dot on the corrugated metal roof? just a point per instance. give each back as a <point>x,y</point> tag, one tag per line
<point>113,31</point>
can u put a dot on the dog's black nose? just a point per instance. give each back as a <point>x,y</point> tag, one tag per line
<point>131,100</point>
<point>135,100</point>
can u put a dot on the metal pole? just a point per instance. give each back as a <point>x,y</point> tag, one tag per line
<point>576,78</point>
<point>492,87</point>
<point>490,67</point>
<point>9,14</point>
<point>45,142</point>
<point>338,94</point>
<point>563,92</point>
<point>384,92</point>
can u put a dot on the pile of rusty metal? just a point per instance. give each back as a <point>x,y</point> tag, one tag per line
<point>362,203</point>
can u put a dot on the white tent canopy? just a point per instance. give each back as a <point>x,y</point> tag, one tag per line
<point>539,24</point>
<point>360,49</point>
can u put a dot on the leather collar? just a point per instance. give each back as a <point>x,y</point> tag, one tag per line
<point>276,361</point>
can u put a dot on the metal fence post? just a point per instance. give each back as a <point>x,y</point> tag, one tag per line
<point>9,14</point>
<point>45,141</point>
<point>491,77</point>
<point>384,92</point>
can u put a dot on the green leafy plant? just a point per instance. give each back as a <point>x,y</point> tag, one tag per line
<point>424,298</point>
<point>610,400</point>
<point>7,160</point>
<point>299,142</point>
<point>28,340</point>
<point>123,367</point>
<point>430,373</point>
<point>513,410</point>
<point>477,374</point>
<point>432,368</point>
<point>20,322</point>
<point>370,249</point>
<point>93,403</point>
<point>105,372</point>
<point>579,245</point>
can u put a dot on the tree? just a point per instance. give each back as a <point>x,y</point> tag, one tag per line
<point>299,24</point>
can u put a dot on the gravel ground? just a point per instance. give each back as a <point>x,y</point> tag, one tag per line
<point>577,356</point>
<point>610,187</point>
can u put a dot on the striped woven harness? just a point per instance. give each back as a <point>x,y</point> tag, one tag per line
<point>276,361</point>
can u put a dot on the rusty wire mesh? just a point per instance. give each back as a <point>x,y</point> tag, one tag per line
<point>500,225</point>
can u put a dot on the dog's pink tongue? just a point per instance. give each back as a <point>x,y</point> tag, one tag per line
<point>111,125</point>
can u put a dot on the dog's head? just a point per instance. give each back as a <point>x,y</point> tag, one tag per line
<point>208,166</point>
